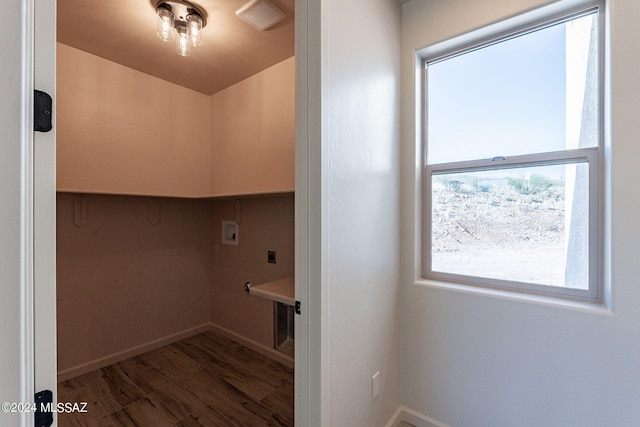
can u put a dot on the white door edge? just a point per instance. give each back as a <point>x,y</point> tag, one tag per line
<point>301,224</point>
<point>310,355</point>
<point>44,207</point>
<point>26,214</point>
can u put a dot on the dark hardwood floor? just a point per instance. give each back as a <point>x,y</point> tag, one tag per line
<point>204,380</point>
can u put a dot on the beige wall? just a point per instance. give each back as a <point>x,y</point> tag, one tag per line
<point>253,133</point>
<point>266,224</point>
<point>145,282</point>
<point>123,282</point>
<point>124,132</point>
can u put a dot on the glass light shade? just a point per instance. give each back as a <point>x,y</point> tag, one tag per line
<point>183,44</point>
<point>164,24</point>
<point>194,29</point>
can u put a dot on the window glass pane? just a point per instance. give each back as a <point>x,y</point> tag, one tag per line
<point>530,94</point>
<point>528,224</point>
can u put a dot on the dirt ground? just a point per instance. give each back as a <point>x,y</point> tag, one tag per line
<point>500,234</point>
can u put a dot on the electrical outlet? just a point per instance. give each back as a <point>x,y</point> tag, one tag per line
<point>375,385</point>
<point>271,257</point>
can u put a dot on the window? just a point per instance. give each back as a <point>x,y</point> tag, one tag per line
<point>512,161</point>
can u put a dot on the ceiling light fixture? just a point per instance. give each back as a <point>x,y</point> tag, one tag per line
<point>182,22</point>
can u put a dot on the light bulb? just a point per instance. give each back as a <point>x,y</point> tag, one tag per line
<point>194,29</point>
<point>164,24</point>
<point>183,45</point>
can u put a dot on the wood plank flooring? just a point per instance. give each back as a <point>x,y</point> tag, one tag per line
<point>205,380</point>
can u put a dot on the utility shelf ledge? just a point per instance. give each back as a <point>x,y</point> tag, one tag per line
<point>282,290</point>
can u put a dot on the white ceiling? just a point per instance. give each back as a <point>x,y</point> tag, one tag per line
<point>123,31</point>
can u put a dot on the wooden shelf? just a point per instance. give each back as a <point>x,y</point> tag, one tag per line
<point>282,290</point>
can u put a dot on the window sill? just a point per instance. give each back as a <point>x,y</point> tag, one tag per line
<point>587,307</point>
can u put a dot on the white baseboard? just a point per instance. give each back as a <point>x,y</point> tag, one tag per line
<point>256,346</point>
<point>130,352</point>
<point>152,345</point>
<point>413,417</point>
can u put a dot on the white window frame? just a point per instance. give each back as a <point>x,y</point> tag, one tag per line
<point>593,156</point>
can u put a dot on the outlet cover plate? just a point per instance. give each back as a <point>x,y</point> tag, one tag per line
<point>375,385</point>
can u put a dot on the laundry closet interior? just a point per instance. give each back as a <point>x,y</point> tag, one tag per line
<point>175,187</point>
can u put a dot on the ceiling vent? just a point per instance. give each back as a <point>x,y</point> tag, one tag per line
<point>261,14</point>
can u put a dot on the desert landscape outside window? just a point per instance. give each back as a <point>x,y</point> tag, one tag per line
<point>512,175</point>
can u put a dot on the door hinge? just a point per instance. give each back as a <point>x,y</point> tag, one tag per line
<point>298,307</point>
<point>44,408</point>
<point>42,111</point>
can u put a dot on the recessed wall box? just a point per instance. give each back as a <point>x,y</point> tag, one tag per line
<point>230,233</point>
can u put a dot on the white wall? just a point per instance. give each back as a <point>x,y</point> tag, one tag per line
<point>10,170</point>
<point>478,360</point>
<point>360,145</point>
